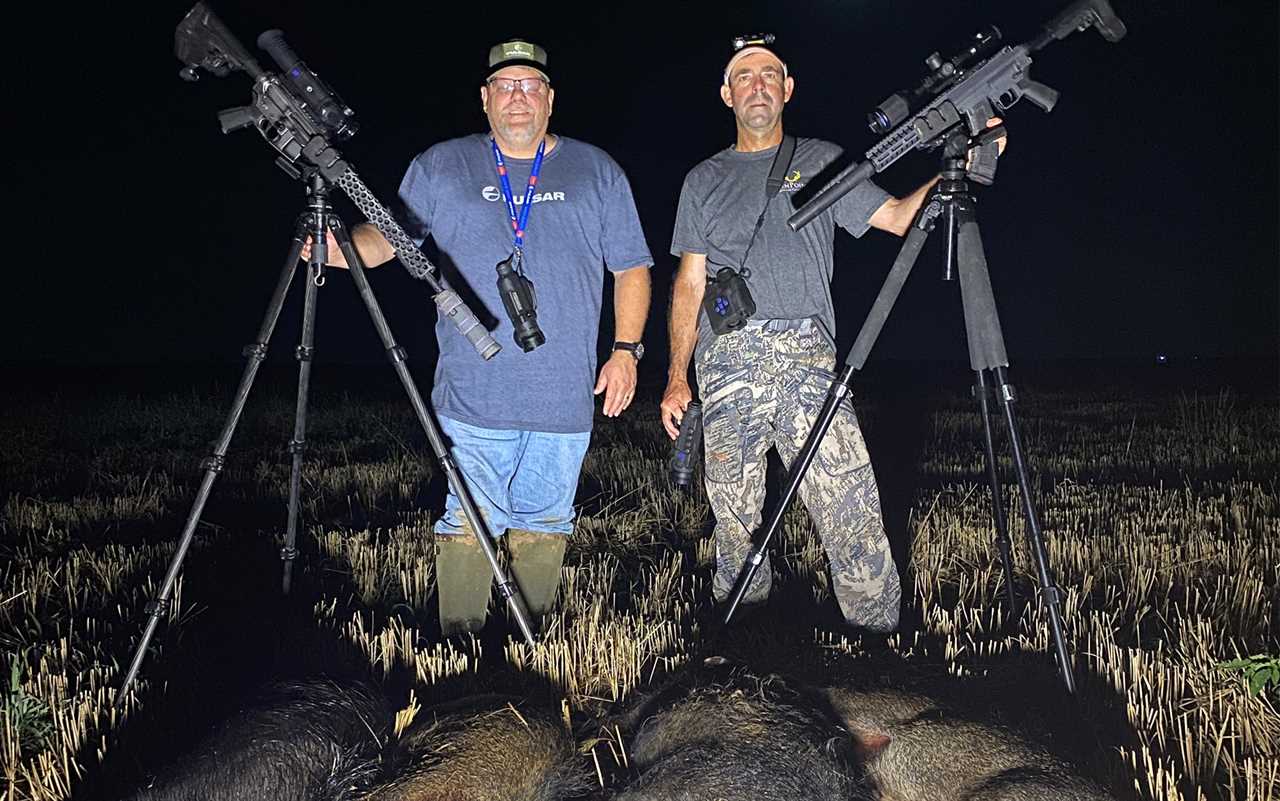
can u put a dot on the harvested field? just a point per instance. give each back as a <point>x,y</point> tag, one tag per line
<point>1160,503</point>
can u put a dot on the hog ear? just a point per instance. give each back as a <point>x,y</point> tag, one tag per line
<point>868,744</point>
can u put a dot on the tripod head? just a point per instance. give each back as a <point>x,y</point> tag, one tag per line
<point>968,88</point>
<point>964,158</point>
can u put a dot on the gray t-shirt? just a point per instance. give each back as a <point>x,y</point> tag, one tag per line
<point>790,270</point>
<point>583,220</point>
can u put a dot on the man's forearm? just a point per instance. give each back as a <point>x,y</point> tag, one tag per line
<point>912,202</point>
<point>373,247</point>
<point>631,292</point>
<point>686,300</point>
<point>896,214</point>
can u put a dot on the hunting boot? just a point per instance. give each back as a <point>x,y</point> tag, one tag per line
<point>535,565</point>
<point>463,582</point>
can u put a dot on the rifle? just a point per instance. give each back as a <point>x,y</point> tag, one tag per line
<point>298,115</point>
<point>976,89</point>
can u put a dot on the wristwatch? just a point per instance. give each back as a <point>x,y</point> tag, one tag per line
<point>636,349</point>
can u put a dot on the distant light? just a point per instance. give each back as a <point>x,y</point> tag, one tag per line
<point>1162,358</point>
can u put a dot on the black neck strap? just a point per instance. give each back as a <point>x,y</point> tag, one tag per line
<point>772,185</point>
<point>778,173</point>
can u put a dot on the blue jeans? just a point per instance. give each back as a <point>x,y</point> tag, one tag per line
<point>519,479</point>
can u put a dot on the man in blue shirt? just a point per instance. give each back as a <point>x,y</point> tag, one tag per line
<point>520,423</point>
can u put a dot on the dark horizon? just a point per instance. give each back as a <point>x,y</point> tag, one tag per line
<point>1138,218</point>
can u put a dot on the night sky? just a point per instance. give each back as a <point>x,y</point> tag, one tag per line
<point>1139,217</point>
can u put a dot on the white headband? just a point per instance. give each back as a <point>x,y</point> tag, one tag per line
<point>746,51</point>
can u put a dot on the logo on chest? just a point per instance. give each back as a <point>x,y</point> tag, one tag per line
<point>793,182</point>
<point>494,194</point>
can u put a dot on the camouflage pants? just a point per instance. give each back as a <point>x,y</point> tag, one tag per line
<point>762,386</point>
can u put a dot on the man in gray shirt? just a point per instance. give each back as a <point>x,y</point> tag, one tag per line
<point>763,384</point>
<point>520,423</point>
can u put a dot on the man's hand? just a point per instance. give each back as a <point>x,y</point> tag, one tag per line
<point>1002,141</point>
<point>618,382</point>
<point>336,257</point>
<point>369,242</point>
<point>674,402</point>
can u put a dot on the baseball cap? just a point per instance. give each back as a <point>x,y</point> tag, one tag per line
<point>517,53</point>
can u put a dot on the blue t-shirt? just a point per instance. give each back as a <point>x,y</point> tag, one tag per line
<point>583,220</point>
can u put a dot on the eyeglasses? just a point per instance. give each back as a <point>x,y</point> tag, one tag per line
<point>530,86</point>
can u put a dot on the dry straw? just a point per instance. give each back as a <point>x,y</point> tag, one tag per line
<point>1162,520</point>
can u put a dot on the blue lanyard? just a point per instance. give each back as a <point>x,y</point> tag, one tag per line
<point>517,222</point>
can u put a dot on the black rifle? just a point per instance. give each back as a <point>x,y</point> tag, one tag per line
<point>296,115</point>
<point>973,96</point>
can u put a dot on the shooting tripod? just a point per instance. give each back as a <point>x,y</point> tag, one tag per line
<point>951,200</point>
<point>314,222</point>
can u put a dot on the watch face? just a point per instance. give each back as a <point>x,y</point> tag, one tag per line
<point>636,349</point>
<point>639,351</point>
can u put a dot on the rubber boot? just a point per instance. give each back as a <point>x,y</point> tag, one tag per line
<point>463,583</point>
<point>535,565</point>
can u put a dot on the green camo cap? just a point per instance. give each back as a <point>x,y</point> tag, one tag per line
<point>517,53</point>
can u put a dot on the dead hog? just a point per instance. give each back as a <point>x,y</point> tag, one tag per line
<point>298,741</point>
<point>913,749</point>
<point>483,749</point>
<point>739,738</point>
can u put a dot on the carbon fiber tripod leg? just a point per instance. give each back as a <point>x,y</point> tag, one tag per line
<point>987,352</point>
<point>212,464</point>
<point>982,392</point>
<point>298,445</point>
<point>317,224</point>
<point>506,587</point>
<point>839,389</point>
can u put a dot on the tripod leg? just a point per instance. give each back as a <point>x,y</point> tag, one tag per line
<point>298,445</point>
<point>212,464</point>
<point>981,322</point>
<point>839,389</point>
<point>987,351</point>
<point>843,501</point>
<point>981,391</point>
<point>506,587</point>
<point>1048,590</point>
<point>870,331</point>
